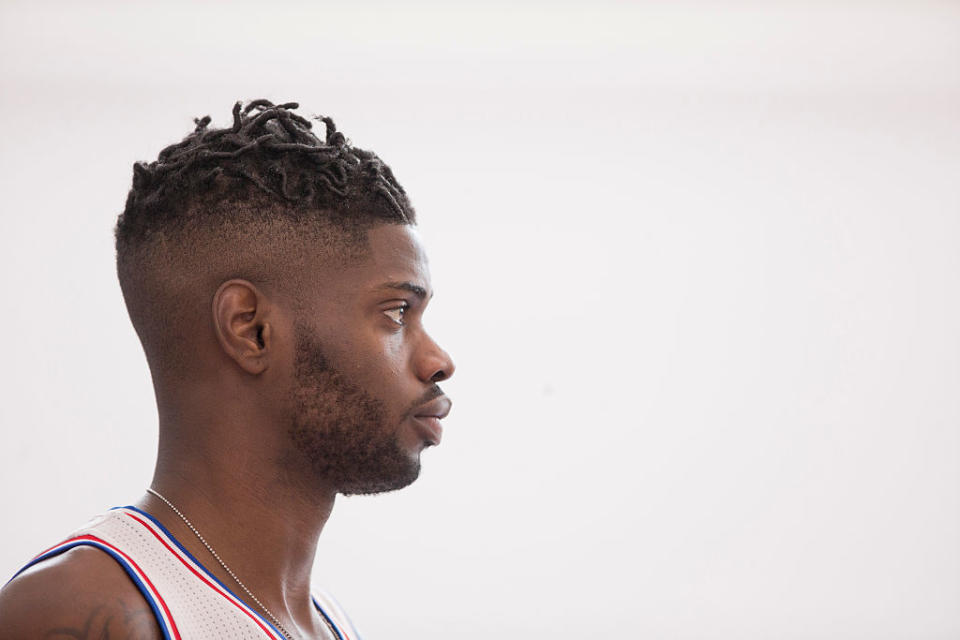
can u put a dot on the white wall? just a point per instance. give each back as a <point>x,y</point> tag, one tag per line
<point>697,264</point>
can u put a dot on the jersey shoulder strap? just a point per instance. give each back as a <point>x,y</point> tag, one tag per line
<point>329,608</point>
<point>187,600</point>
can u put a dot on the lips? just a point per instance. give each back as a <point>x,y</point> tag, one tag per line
<point>436,408</point>
<point>428,417</point>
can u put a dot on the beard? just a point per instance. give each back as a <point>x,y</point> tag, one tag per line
<point>343,432</point>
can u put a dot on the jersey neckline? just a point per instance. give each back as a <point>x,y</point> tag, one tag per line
<point>210,574</point>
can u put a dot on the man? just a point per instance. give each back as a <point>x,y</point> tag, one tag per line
<point>277,284</point>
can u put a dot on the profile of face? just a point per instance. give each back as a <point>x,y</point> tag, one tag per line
<point>364,397</point>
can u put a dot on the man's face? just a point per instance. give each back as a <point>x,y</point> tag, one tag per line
<point>366,372</point>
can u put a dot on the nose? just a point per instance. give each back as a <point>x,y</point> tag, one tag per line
<point>434,364</point>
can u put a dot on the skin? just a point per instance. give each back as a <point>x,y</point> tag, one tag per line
<point>248,447</point>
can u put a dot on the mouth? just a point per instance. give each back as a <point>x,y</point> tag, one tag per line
<point>428,418</point>
<point>430,428</point>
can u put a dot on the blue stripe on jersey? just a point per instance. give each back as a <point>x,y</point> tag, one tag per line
<point>203,568</point>
<point>329,620</point>
<point>122,562</point>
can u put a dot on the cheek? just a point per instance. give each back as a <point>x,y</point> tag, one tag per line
<point>386,353</point>
<point>379,364</point>
<point>394,358</point>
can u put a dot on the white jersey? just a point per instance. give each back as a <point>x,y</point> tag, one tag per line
<point>188,602</point>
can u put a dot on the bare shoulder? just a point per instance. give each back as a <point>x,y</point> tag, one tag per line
<point>81,594</point>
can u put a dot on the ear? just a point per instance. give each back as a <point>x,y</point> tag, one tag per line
<point>241,323</point>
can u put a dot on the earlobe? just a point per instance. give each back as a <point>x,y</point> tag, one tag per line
<point>240,314</point>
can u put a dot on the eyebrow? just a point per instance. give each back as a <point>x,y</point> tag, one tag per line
<point>415,289</point>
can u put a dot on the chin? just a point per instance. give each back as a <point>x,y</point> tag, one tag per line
<point>384,482</point>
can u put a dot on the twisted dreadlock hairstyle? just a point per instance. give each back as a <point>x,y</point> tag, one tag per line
<point>249,200</point>
<point>271,155</point>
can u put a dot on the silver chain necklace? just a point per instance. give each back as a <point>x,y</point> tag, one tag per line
<point>232,574</point>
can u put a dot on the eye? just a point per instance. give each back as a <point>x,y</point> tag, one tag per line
<point>396,314</point>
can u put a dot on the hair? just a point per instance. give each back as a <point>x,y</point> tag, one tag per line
<point>269,156</point>
<point>237,202</point>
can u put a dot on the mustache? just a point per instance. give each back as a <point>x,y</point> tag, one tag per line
<point>433,392</point>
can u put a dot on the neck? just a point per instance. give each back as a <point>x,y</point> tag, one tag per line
<point>263,522</point>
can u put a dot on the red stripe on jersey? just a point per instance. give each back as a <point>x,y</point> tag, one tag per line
<point>202,577</point>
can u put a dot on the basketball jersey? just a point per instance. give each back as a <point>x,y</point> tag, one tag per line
<point>188,602</point>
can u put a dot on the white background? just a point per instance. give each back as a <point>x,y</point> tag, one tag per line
<point>697,264</point>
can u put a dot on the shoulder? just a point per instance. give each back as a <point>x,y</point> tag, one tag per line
<point>82,593</point>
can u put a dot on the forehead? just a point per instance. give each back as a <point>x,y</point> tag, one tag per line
<point>394,254</point>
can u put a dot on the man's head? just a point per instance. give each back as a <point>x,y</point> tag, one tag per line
<point>276,280</point>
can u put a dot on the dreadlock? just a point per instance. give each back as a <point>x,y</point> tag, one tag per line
<point>270,155</point>
<point>256,200</point>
